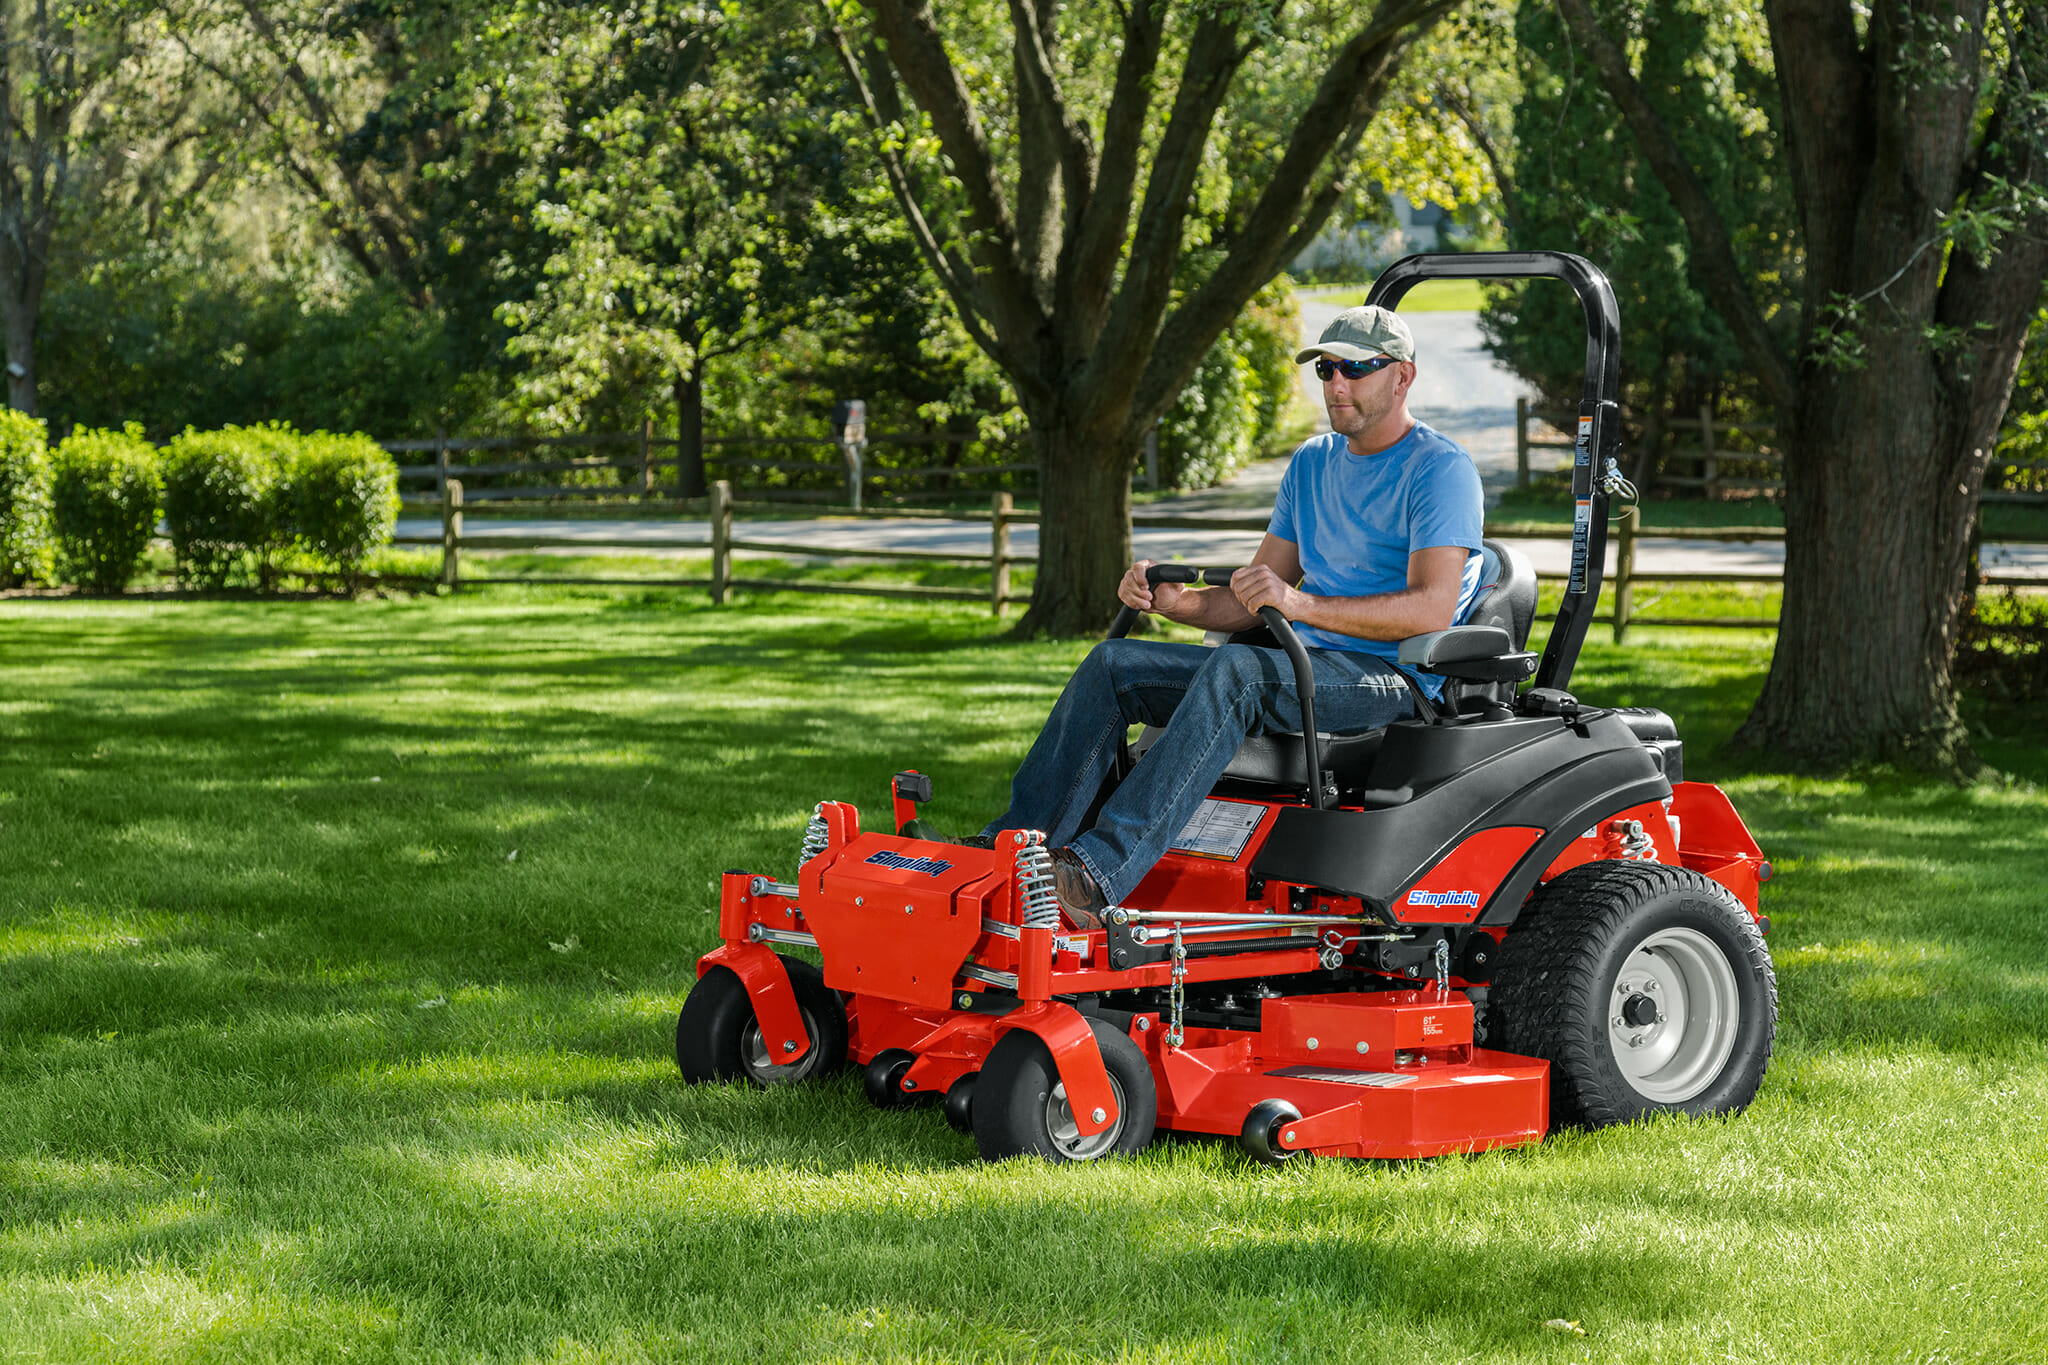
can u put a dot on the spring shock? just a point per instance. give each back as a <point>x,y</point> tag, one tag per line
<point>816,835</point>
<point>1038,904</point>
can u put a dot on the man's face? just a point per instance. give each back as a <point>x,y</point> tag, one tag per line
<point>1356,406</point>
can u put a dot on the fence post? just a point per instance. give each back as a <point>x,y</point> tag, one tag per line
<point>850,429</point>
<point>441,461</point>
<point>1521,443</point>
<point>1624,572</point>
<point>721,539</point>
<point>1152,458</point>
<point>999,553</point>
<point>1710,466</point>
<point>451,531</point>
<point>646,460</point>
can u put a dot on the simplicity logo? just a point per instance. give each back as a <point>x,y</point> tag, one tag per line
<point>1434,899</point>
<point>930,866</point>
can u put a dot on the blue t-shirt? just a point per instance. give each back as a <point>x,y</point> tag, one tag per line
<point>1356,518</point>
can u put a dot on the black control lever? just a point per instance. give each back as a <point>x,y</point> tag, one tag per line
<point>1283,631</point>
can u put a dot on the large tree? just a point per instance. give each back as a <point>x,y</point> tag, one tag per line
<point>1916,132</point>
<point>1101,188</point>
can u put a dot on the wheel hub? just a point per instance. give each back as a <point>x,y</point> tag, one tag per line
<point>768,1069</point>
<point>1066,1133</point>
<point>1673,1015</point>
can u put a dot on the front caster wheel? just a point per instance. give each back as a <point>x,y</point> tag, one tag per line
<point>718,1038</point>
<point>1647,988</point>
<point>1260,1135</point>
<point>883,1079</point>
<point>960,1103</point>
<point>1020,1103</point>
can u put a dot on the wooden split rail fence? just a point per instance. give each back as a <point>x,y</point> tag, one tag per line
<point>1707,456</point>
<point>723,545</point>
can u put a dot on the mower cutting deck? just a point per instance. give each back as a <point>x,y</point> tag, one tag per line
<point>1445,936</point>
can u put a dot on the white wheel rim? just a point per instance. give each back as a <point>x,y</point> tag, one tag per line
<point>1066,1134</point>
<point>763,1067</point>
<point>1687,979</point>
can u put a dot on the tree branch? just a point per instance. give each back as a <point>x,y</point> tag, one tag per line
<point>955,275</point>
<point>919,56</point>
<point>1713,253</point>
<point>1095,238</point>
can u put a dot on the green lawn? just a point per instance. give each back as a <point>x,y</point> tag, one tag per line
<point>341,943</point>
<point>1431,296</point>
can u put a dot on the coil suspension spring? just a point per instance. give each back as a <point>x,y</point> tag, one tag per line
<point>816,835</point>
<point>1038,904</point>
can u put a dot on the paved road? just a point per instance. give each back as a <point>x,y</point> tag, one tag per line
<point>1459,389</point>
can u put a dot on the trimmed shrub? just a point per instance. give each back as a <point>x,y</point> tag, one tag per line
<point>220,500</point>
<point>104,497</point>
<point>344,498</point>
<point>1207,433</point>
<point>26,548</point>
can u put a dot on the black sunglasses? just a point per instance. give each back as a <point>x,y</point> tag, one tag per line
<point>1351,369</point>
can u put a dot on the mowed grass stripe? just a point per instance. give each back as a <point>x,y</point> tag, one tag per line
<point>340,945</point>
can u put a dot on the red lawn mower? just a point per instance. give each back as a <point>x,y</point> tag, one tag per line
<point>1442,936</point>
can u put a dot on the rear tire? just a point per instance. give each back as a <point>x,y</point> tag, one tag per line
<point>718,1038</point>
<point>1647,988</point>
<point>1020,1104</point>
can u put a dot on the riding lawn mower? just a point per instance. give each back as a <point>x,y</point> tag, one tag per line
<point>1508,912</point>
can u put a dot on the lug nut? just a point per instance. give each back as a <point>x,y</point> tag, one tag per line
<point>1101,1114</point>
<point>789,1044</point>
<point>964,1001</point>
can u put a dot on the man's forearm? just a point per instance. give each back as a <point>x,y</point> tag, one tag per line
<point>1210,608</point>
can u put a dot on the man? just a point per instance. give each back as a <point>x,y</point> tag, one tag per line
<point>1375,536</point>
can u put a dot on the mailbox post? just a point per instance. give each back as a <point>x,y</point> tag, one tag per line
<point>850,429</point>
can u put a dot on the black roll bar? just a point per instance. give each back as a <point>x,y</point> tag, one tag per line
<point>1599,435</point>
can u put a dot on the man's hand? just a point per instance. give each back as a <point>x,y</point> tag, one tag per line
<point>1133,591</point>
<point>1259,586</point>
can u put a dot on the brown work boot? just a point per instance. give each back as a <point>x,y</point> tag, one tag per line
<point>1075,886</point>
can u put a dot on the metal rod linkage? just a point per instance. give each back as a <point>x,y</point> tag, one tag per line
<point>1142,935</point>
<point>1121,915</point>
<point>761,933</point>
<point>990,976</point>
<point>768,886</point>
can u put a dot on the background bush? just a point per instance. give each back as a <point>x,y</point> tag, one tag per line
<point>26,549</point>
<point>220,500</point>
<point>104,495</point>
<point>344,498</point>
<point>1237,398</point>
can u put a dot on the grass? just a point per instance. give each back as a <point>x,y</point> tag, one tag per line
<point>340,947</point>
<point>1548,501</point>
<point>1431,296</point>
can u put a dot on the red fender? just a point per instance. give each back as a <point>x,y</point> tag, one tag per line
<point>1074,1055</point>
<point>769,991</point>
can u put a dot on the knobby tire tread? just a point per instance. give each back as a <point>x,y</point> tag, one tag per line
<point>1551,964</point>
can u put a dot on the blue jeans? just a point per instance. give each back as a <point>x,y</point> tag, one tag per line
<point>1209,700</point>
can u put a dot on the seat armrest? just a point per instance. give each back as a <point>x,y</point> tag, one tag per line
<point>1456,645</point>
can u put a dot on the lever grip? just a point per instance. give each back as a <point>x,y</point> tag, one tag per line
<point>1186,573</point>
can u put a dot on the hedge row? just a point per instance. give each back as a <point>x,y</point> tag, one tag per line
<point>237,500</point>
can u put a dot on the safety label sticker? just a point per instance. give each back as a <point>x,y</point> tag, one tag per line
<point>1220,829</point>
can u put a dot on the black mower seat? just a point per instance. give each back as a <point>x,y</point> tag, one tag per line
<point>1506,598</point>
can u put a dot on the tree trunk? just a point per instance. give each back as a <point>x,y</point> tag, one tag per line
<point>1084,525</point>
<point>1881,480</point>
<point>21,301</point>
<point>690,433</point>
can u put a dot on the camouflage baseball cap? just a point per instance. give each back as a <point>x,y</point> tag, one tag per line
<point>1361,334</point>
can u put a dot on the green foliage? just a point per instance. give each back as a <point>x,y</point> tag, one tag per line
<point>221,499</point>
<point>1580,184</point>
<point>2021,461</point>
<point>344,498</point>
<point>105,495</point>
<point>1237,397</point>
<point>26,548</point>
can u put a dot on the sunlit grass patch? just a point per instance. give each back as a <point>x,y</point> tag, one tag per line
<point>341,1026</point>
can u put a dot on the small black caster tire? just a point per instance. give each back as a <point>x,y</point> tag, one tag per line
<point>959,1103</point>
<point>1020,1103</point>
<point>1647,988</point>
<point>718,1038</point>
<point>884,1079</point>
<point>1260,1135</point>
